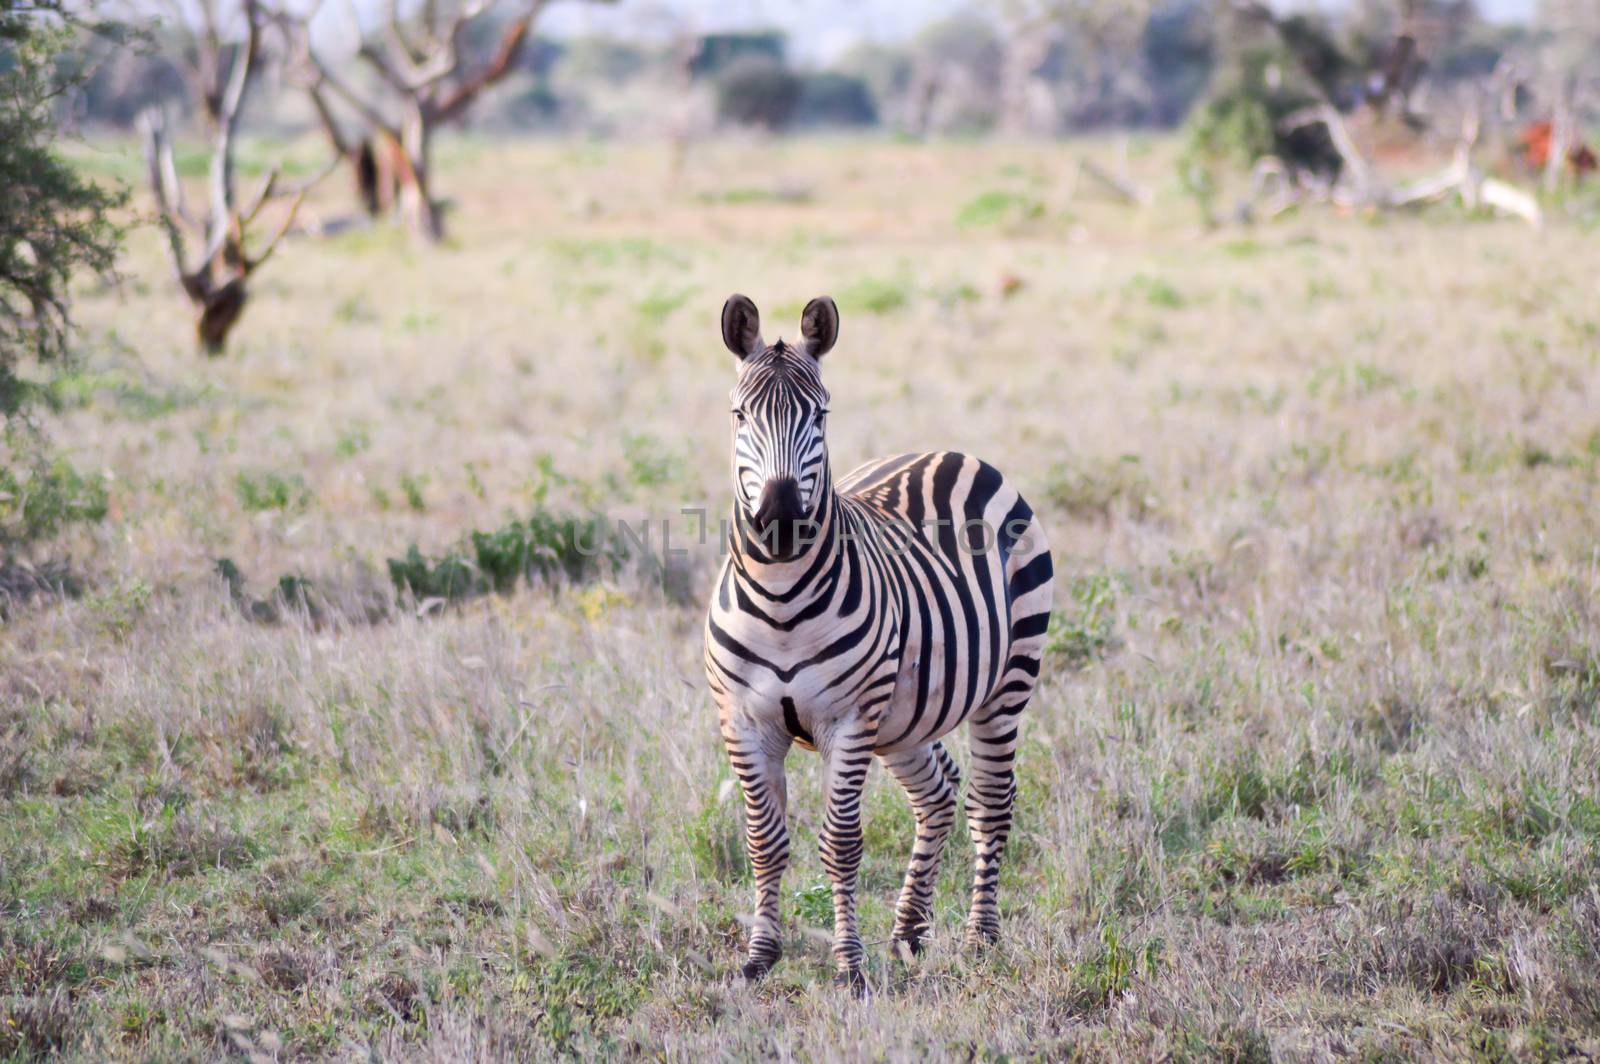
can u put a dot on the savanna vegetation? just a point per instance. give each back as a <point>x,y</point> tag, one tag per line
<point>350,687</point>
<point>341,750</point>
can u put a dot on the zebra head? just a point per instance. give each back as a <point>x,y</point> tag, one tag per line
<point>780,409</point>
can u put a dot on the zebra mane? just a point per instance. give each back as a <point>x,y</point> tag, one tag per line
<point>783,361</point>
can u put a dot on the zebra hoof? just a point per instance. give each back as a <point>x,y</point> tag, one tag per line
<point>853,981</point>
<point>754,970</point>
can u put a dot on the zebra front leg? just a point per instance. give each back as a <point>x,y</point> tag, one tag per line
<point>757,759</point>
<point>931,779</point>
<point>991,791</point>
<point>846,756</point>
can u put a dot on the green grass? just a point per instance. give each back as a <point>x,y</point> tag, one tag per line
<point>1310,769</point>
<point>999,207</point>
<point>270,489</point>
<point>874,295</point>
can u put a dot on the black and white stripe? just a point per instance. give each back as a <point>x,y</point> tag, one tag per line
<point>867,619</point>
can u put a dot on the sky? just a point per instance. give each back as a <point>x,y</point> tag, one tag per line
<point>818,29</point>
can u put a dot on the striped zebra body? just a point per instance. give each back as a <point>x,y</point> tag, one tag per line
<point>906,600</point>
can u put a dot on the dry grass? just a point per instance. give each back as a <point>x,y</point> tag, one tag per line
<point>1312,773</point>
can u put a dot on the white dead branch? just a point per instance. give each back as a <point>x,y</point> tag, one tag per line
<point>1363,187</point>
<point>424,78</point>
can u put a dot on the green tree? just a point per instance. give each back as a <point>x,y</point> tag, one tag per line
<point>53,224</point>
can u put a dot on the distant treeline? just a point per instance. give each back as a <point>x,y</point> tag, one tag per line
<point>967,74</point>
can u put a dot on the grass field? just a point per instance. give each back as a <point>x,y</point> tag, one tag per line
<point>1311,773</point>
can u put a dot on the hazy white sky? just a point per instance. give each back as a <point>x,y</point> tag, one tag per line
<point>818,29</point>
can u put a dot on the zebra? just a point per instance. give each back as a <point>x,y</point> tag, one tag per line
<point>865,619</point>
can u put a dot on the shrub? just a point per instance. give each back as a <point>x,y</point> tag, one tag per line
<point>271,490</point>
<point>720,51</point>
<point>757,92</point>
<point>999,207</point>
<point>834,99</point>
<point>1094,489</point>
<point>1157,291</point>
<point>450,576</point>
<point>1240,124</point>
<point>1085,632</point>
<point>875,295</point>
<point>547,547</point>
<point>40,494</point>
<point>53,224</point>
<point>1108,971</point>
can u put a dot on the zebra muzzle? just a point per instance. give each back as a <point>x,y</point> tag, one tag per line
<point>780,522</point>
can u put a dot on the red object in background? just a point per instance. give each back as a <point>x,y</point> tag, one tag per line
<point>1535,142</point>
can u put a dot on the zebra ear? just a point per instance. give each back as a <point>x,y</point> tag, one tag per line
<point>741,326</point>
<point>819,326</point>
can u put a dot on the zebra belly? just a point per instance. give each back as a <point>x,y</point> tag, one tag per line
<point>918,711</point>
<point>955,611</point>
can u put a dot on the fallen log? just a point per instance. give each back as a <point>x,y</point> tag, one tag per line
<point>1364,190</point>
<point>1119,188</point>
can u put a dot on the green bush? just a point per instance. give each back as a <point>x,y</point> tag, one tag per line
<point>450,576</point>
<point>271,490</point>
<point>1085,632</point>
<point>53,224</point>
<point>1108,971</point>
<point>830,98</point>
<point>875,295</point>
<point>999,207</point>
<point>1239,124</point>
<point>292,594</point>
<point>757,92</point>
<point>40,495</point>
<point>547,547</point>
<point>720,51</point>
<point>1156,291</point>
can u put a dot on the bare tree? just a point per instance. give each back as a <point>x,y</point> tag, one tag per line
<point>421,68</point>
<point>219,73</point>
<point>370,155</point>
<point>1103,38</point>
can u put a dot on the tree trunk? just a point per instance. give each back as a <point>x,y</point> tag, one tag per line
<point>1026,103</point>
<point>365,163</point>
<point>218,306</point>
<point>219,313</point>
<point>418,208</point>
<point>1561,138</point>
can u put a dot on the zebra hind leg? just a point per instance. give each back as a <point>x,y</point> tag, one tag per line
<point>931,780</point>
<point>992,787</point>
<point>757,760</point>
<point>991,791</point>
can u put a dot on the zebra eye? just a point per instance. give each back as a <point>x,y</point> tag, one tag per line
<point>738,415</point>
<point>822,415</point>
